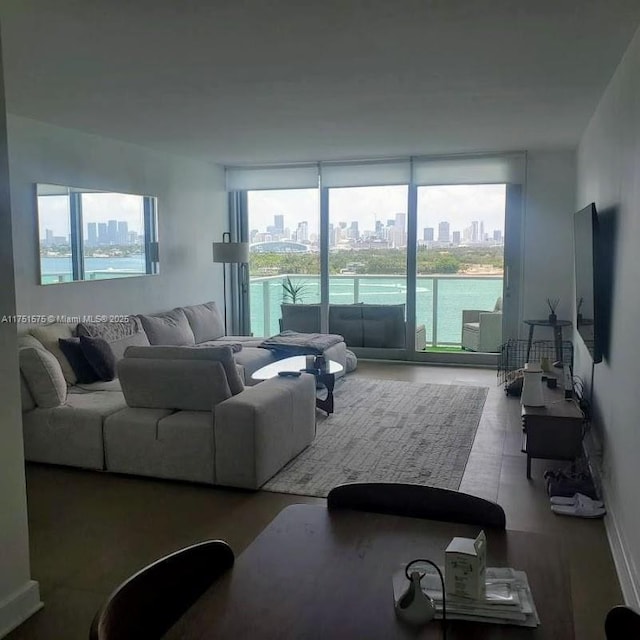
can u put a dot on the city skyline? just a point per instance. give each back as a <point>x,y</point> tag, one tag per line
<point>369,207</point>
<point>53,211</point>
<point>96,234</point>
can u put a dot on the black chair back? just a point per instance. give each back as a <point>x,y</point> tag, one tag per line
<point>417,501</point>
<point>622,623</point>
<point>145,606</point>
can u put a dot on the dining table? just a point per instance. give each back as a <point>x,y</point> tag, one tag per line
<point>315,573</point>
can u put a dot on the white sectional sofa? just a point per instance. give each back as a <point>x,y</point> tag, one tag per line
<point>179,407</point>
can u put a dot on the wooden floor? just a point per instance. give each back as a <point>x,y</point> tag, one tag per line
<point>91,530</point>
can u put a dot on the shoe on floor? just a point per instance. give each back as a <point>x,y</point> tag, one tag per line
<point>582,508</point>
<point>571,501</point>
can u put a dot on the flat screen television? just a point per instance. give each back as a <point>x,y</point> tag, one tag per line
<point>588,318</point>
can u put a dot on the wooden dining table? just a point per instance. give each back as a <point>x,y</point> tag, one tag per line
<point>314,573</point>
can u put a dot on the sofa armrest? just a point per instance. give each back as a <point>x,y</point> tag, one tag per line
<point>258,431</point>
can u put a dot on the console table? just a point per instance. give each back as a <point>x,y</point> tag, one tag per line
<point>557,334</point>
<point>553,432</point>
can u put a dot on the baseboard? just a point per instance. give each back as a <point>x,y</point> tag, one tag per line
<point>20,605</point>
<point>625,568</point>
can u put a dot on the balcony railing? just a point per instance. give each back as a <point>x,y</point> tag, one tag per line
<point>440,299</point>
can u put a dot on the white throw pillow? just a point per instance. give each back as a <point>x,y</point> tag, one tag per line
<point>48,335</point>
<point>43,375</point>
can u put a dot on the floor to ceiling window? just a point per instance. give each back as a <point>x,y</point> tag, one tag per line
<point>368,244</point>
<point>284,258</point>
<point>459,259</point>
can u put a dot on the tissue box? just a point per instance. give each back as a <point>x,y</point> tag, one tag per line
<point>465,563</point>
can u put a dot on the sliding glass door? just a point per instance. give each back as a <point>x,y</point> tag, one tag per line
<point>368,245</point>
<point>284,258</point>
<point>459,261</point>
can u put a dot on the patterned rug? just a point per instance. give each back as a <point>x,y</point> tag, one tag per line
<point>388,431</point>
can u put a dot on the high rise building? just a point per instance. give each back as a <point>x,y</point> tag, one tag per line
<point>443,232</point>
<point>455,237</point>
<point>302,232</point>
<point>278,222</point>
<point>481,236</point>
<point>497,235</point>
<point>48,235</point>
<point>103,235</point>
<point>354,231</point>
<point>400,235</point>
<point>133,237</point>
<point>475,235</point>
<point>123,232</point>
<point>112,232</point>
<point>92,234</point>
<point>428,234</point>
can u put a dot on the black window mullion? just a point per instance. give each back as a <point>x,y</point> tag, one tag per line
<point>76,238</point>
<point>150,234</point>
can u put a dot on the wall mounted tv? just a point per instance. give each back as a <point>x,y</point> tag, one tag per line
<point>588,318</point>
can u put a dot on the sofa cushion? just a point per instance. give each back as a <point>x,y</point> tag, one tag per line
<point>222,354</point>
<point>119,335</point>
<point>26,398</point>
<point>383,325</point>
<point>205,321</point>
<point>73,351</point>
<point>304,318</point>
<point>44,377</point>
<point>99,355</point>
<point>170,328</point>
<point>49,335</point>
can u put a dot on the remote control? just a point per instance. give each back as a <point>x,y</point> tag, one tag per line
<point>289,374</point>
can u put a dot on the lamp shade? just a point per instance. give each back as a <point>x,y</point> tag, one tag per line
<point>230,252</point>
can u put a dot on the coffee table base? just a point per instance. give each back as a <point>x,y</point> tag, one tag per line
<point>329,381</point>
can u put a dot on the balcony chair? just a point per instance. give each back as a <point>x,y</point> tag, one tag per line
<point>482,330</point>
<point>417,501</point>
<point>146,605</point>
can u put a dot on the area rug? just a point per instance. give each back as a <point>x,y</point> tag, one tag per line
<point>388,431</point>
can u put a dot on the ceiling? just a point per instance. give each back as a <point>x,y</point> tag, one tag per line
<point>263,81</point>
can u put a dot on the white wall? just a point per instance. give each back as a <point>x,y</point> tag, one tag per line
<point>19,595</point>
<point>192,212</point>
<point>609,175</point>
<point>548,237</point>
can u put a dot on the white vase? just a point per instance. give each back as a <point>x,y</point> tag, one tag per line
<point>532,392</point>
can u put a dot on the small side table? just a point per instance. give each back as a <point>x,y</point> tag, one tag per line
<point>554,431</point>
<point>557,334</point>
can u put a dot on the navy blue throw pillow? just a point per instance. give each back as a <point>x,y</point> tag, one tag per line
<point>80,365</point>
<point>100,356</point>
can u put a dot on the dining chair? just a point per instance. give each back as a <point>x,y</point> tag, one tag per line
<point>622,623</point>
<point>417,501</point>
<point>148,603</point>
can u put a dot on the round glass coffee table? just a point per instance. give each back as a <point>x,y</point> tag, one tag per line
<point>326,376</point>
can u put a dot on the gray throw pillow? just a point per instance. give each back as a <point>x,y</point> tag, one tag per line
<point>205,321</point>
<point>170,328</point>
<point>44,377</point>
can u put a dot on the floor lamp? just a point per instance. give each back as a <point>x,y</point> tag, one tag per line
<point>227,252</point>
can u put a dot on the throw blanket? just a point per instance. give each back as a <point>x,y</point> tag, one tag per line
<point>294,343</point>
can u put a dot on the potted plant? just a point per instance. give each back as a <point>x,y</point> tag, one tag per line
<point>292,292</point>
<point>553,305</point>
